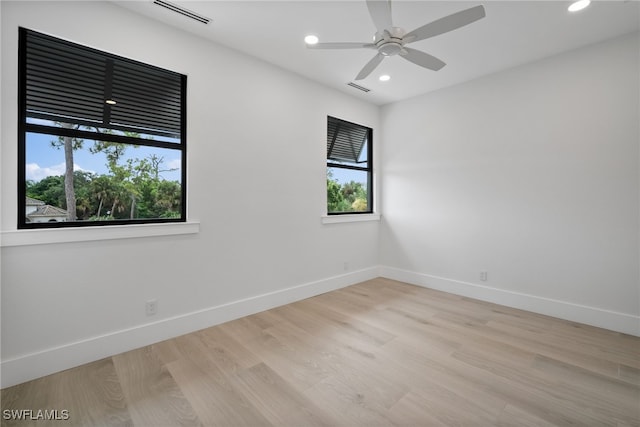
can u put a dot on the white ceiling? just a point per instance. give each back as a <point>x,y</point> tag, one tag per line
<point>512,33</point>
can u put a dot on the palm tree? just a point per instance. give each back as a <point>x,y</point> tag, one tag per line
<point>102,189</point>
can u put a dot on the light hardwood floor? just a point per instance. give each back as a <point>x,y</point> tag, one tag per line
<point>374,354</point>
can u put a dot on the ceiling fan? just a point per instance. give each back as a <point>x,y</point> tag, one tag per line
<point>391,41</point>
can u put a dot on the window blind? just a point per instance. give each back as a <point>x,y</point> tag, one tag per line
<point>345,140</point>
<point>70,83</point>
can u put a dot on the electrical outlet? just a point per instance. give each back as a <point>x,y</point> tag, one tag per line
<point>151,307</point>
<point>483,276</point>
<point>346,266</point>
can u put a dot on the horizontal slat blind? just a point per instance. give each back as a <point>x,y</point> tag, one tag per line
<point>70,83</point>
<point>345,140</point>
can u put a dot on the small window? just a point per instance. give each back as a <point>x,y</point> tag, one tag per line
<point>349,168</point>
<point>101,138</point>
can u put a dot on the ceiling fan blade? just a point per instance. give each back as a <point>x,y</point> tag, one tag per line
<point>422,59</point>
<point>371,65</point>
<point>380,11</point>
<point>340,45</point>
<point>448,23</point>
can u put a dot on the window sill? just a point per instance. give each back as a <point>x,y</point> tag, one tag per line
<point>86,234</point>
<point>334,219</point>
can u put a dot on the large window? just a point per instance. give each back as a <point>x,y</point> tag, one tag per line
<point>349,168</point>
<point>102,139</point>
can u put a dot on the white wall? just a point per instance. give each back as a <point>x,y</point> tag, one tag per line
<point>530,174</point>
<point>256,184</point>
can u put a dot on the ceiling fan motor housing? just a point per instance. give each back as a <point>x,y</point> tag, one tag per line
<point>389,42</point>
<point>390,48</point>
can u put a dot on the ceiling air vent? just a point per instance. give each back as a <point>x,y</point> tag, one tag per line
<point>182,11</point>
<point>362,88</point>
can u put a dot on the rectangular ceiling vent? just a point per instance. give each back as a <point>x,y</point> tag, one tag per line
<point>182,11</point>
<point>362,88</point>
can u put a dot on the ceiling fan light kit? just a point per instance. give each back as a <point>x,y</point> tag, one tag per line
<point>311,39</point>
<point>391,41</point>
<point>578,5</point>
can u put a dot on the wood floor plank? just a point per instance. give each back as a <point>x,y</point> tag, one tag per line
<point>481,379</point>
<point>292,364</point>
<point>228,352</point>
<point>599,393</point>
<point>347,403</point>
<point>357,336</point>
<point>413,326</point>
<point>378,353</point>
<point>154,397</point>
<point>561,402</point>
<point>339,356</point>
<point>245,328</point>
<point>420,368</point>
<point>357,330</point>
<point>450,408</point>
<point>213,401</point>
<point>513,416</point>
<point>629,374</point>
<point>336,358</point>
<point>587,340</point>
<point>90,393</point>
<point>277,400</point>
<point>550,347</point>
<point>167,351</point>
<point>411,411</point>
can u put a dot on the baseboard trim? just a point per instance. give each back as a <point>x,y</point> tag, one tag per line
<point>615,321</point>
<point>38,364</point>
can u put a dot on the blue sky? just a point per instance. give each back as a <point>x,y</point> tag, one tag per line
<point>344,176</point>
<point>44,160</point>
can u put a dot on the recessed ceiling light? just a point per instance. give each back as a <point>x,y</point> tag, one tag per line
<point>110,102</point>
<point>579,5</point>
<point>311,39</point>
<point>384,78</point>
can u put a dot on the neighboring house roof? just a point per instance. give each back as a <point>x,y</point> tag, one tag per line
<point>34,202</point>
<point>48,210</point>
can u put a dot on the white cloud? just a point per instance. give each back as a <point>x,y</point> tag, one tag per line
<point>36,173</point>
<point>174,164</point>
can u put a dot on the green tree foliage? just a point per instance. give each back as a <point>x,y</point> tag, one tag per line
<point>102,189</point>
<point>359,205</point>
<point>133,189</point>
<point>50,190</point>
<point>335,199</point>
<point>349,197</point>
<point>81,182</point>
